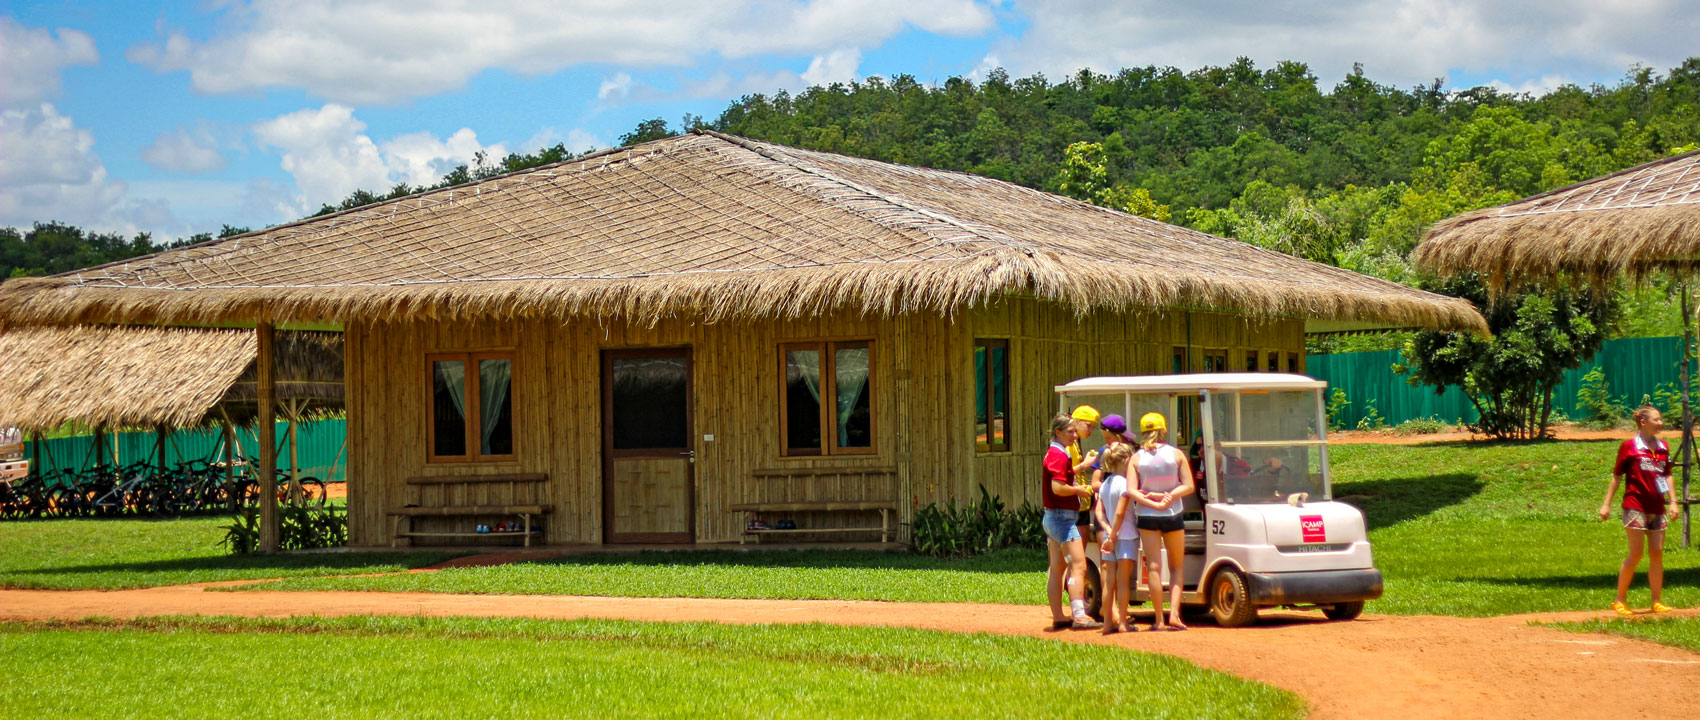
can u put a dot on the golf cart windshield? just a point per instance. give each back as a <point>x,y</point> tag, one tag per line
<point>1267,445</point>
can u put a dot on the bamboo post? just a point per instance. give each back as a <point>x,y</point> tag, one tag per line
<point>159,445</point>
<point>230,463</point>
<point>293,413</point>
<point>99,445</point>
<point>35,454</point>
<point>1687,412</point>
<point>267,428</point>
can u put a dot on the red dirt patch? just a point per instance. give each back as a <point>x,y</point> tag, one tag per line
<point>1378,666</point>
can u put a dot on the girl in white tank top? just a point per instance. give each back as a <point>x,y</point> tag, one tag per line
<point>1159,472</point>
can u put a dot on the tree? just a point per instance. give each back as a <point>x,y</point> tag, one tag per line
<point>651,129</point>
<point>1084,176</point>
<point>1537,336</point>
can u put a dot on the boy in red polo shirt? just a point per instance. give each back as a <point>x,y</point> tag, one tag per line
<point>1643,465</point>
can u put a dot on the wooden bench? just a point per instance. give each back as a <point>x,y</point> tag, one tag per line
<point>468,496</point>
<point>885,508</point>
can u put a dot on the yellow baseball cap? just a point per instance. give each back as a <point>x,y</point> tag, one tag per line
<point>1153,421</point>
<point>1085,412</point>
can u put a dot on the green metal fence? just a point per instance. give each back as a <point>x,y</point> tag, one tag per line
<point>318,444</point>
<point>1633,367</point>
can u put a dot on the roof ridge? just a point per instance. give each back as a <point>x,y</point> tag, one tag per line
<point>980,231</point>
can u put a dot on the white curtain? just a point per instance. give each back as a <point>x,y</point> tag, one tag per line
<point>494,379</point>
<point>452,374</point>
<point>806,364</point>
<point>850,378</point>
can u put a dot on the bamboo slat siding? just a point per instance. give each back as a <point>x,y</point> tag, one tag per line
<point>924,400</point>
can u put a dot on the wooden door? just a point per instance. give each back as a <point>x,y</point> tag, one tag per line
<point>647,478</point>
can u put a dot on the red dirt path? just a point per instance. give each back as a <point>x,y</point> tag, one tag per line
<point>1403,667</point>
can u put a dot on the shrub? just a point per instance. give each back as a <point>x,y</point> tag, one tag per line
<point>1600,408</point>
<point>1371,420</point>
<point>1421,426</point>
<point>1337,403</point>
<point>298,528</point>
<point>974,529</point>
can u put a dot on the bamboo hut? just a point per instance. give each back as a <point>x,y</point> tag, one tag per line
<point>661,342</point>
<point>1632,224</point>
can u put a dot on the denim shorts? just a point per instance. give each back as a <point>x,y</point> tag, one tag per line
<point>1059,525</point>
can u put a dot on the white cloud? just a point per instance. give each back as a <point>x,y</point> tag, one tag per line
<point>618,86</point>
<point>391,50</point>
<point>49,171</point>
<point>328,153</point>
<point>31,58</point>
<point>576,140</point>
<point>1534,86</point>
<point>422,159</point>
<point>1403,42</point>
<point>184,150</point>
<point>838,66</point>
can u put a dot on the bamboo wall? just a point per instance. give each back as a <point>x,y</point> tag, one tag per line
<point>923,399</point>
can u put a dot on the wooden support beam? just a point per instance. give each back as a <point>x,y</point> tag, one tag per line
<point>267,429</point>
<point>230,463</point>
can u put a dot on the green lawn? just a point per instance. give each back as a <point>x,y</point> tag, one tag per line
<point>1675,632</point>
<point>512,668</point>
<point>1475,529</point>
<point>117,554</point>
<point>1470,529</point>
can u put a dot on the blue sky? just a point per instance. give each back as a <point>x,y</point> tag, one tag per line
<point>179,117</point>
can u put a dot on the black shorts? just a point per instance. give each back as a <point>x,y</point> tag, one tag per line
<point>1162,523</point>
<point>1088,519</point>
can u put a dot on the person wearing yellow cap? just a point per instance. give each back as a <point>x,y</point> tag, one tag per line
<point>1164,477</point>
<point>1085,421</point>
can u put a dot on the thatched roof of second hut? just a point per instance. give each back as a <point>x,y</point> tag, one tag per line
<point>1631,222</point>
<point>120,376</point>
<point>716,227</point>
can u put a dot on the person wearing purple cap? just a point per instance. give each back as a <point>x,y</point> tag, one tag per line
<point>1114,428</point>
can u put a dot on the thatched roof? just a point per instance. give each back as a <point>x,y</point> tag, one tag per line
<point>147,376</point>
<point>714,227</point>
<point>1632,222</point>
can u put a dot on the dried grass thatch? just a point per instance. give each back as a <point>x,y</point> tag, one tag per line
<point>150,376</point>
<point>718,228</point>
<point>1634,222</point>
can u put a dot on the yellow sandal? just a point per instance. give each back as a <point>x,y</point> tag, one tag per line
<point>1622,610</point>
<point>1660,607</point>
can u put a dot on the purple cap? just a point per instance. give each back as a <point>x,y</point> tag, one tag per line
<point>1114,424</point>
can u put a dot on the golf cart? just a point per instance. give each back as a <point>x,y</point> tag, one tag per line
<point>1262,529</point>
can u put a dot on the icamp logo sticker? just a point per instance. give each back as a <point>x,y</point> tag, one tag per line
<point>1313,529</point>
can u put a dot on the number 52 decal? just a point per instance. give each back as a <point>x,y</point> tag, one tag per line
<point>1218,527</point>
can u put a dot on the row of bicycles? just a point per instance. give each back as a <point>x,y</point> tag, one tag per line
<point>144,489</point>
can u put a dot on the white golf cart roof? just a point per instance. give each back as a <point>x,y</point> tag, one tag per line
<point>1192,382</point>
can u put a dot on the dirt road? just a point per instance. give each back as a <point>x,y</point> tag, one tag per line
<point>1375,667</point>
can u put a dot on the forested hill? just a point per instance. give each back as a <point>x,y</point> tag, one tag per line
<point>1347,175</point>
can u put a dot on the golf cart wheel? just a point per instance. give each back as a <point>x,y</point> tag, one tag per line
<point>1344,611</point>
<point>1230,603</point>
<point>1094,595</point>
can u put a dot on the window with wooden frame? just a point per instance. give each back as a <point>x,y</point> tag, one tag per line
<point>1292,362</point>
<point>1274,360</point>
<point>826,404</point>
<point>1251,361</point>
<point>471,407</point>
<point>991,395</point>
<point>1216,360</point>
